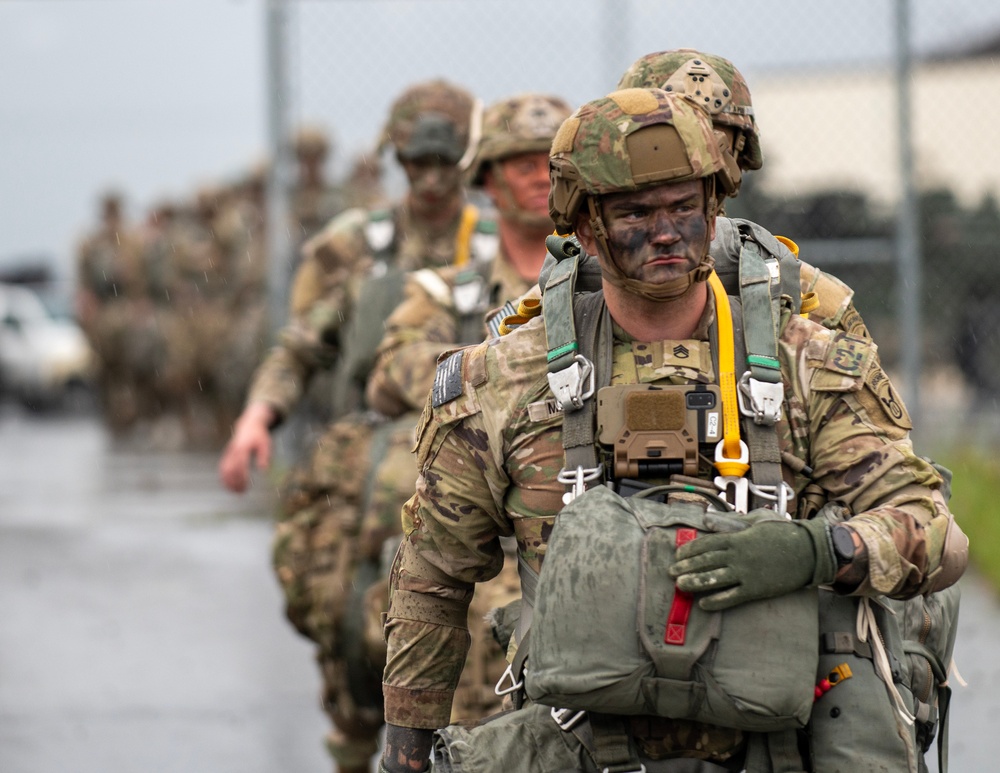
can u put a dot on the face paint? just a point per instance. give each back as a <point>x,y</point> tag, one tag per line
<point>432,181</point>
<point>658,234</point>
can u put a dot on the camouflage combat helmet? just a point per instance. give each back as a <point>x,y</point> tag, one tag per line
<point>430,118</point>
<point>310,142</point>
<point>522,124</point>
<point>711,80</point>
<point>629,141</point>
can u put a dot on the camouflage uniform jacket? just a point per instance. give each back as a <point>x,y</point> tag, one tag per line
<point>427,324</point>
<point>336,262</point>
<point>488,460</point>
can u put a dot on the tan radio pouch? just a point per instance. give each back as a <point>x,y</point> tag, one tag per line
<point>655,431</point>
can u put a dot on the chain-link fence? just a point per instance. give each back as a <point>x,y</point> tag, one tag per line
<point>826,87</point>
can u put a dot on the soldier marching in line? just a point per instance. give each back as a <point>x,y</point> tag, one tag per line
<point>349,281</point>
<point>453,306</point>
<point>516,429</point>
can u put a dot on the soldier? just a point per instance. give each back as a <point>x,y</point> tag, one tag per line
<point>516,428</point>
<point>351,278</point>
<point>363,183</point>
<point>109,285</point>
<point>449,306</point>
<point>314,201</point>
<point>512,165</point>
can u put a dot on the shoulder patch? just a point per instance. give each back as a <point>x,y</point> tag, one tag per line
<point>448,379</point>
<point>888,399</point>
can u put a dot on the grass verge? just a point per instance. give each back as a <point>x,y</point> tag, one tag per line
<point>975,494</point>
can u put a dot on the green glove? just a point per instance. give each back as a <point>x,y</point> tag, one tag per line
<point>768,559</point>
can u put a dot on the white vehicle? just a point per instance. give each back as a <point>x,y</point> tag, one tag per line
<point>43,359</point>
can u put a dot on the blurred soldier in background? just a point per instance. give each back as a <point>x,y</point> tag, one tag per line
<point>199,288</point>
<point>314,200</point>
<point>363,183</point>
<point>350,279</point>
<point>109,285</point>
<point>460,305</point>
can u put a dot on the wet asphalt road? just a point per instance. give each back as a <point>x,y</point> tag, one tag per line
<point>141,628</point>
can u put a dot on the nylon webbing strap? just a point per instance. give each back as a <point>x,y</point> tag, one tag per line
<point>727,370</point>
<point>944,702</point>
<point>762,440</point>
<point>596,344</point>
<point>612,752</point>
<point>463,238</point>
<point>557,307</point>
<point>776,752</point>
<point>760,313</point>
<point>944,697</point>
<point>529,588</point>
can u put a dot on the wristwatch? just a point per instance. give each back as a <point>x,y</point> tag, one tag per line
<point>843,544</point>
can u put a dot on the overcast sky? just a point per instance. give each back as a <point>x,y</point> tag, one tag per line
<point>158,96</point>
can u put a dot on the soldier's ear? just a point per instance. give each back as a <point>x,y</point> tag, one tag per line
<point>585,233</point>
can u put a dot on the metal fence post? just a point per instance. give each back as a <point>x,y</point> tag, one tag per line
<point>908,231</point>
<point>278,104</point>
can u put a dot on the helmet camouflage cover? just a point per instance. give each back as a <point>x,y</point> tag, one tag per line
<point>711,80</point>
<point>631,140</point>
<point>438,103</point>
<point>522,124</point>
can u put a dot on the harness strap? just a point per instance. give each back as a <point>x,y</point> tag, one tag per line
<point>463,237</point>
<point>759,288</point>
<point>727,374</point>
<point>761,439</point>
<point>761,390</point>
<point>611,750</point>
<point>560,331</point>
<point>776,752</point>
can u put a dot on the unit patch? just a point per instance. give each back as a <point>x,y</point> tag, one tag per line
<point>448,379</point>
<point>888,398</point>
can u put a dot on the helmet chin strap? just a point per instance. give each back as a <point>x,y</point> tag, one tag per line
<point>653,291</point>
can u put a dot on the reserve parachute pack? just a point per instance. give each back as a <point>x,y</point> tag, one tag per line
<point>653,651</point>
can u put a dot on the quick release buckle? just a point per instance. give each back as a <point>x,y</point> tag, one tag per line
<point>574,384</point>
<point>566,719</point>
<point>577,480</point>
<point>760,400</point>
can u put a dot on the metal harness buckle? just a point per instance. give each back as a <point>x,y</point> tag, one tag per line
<point>578,480</point>
<point>515,685</point>
<point>782,494</point>
<point>564,720</point>
<point>760,400</point>
<point>568,384</point>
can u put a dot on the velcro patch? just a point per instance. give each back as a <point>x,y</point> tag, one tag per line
<point>849,355</point>
<point>448,379</point>
<point>543,410</point>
